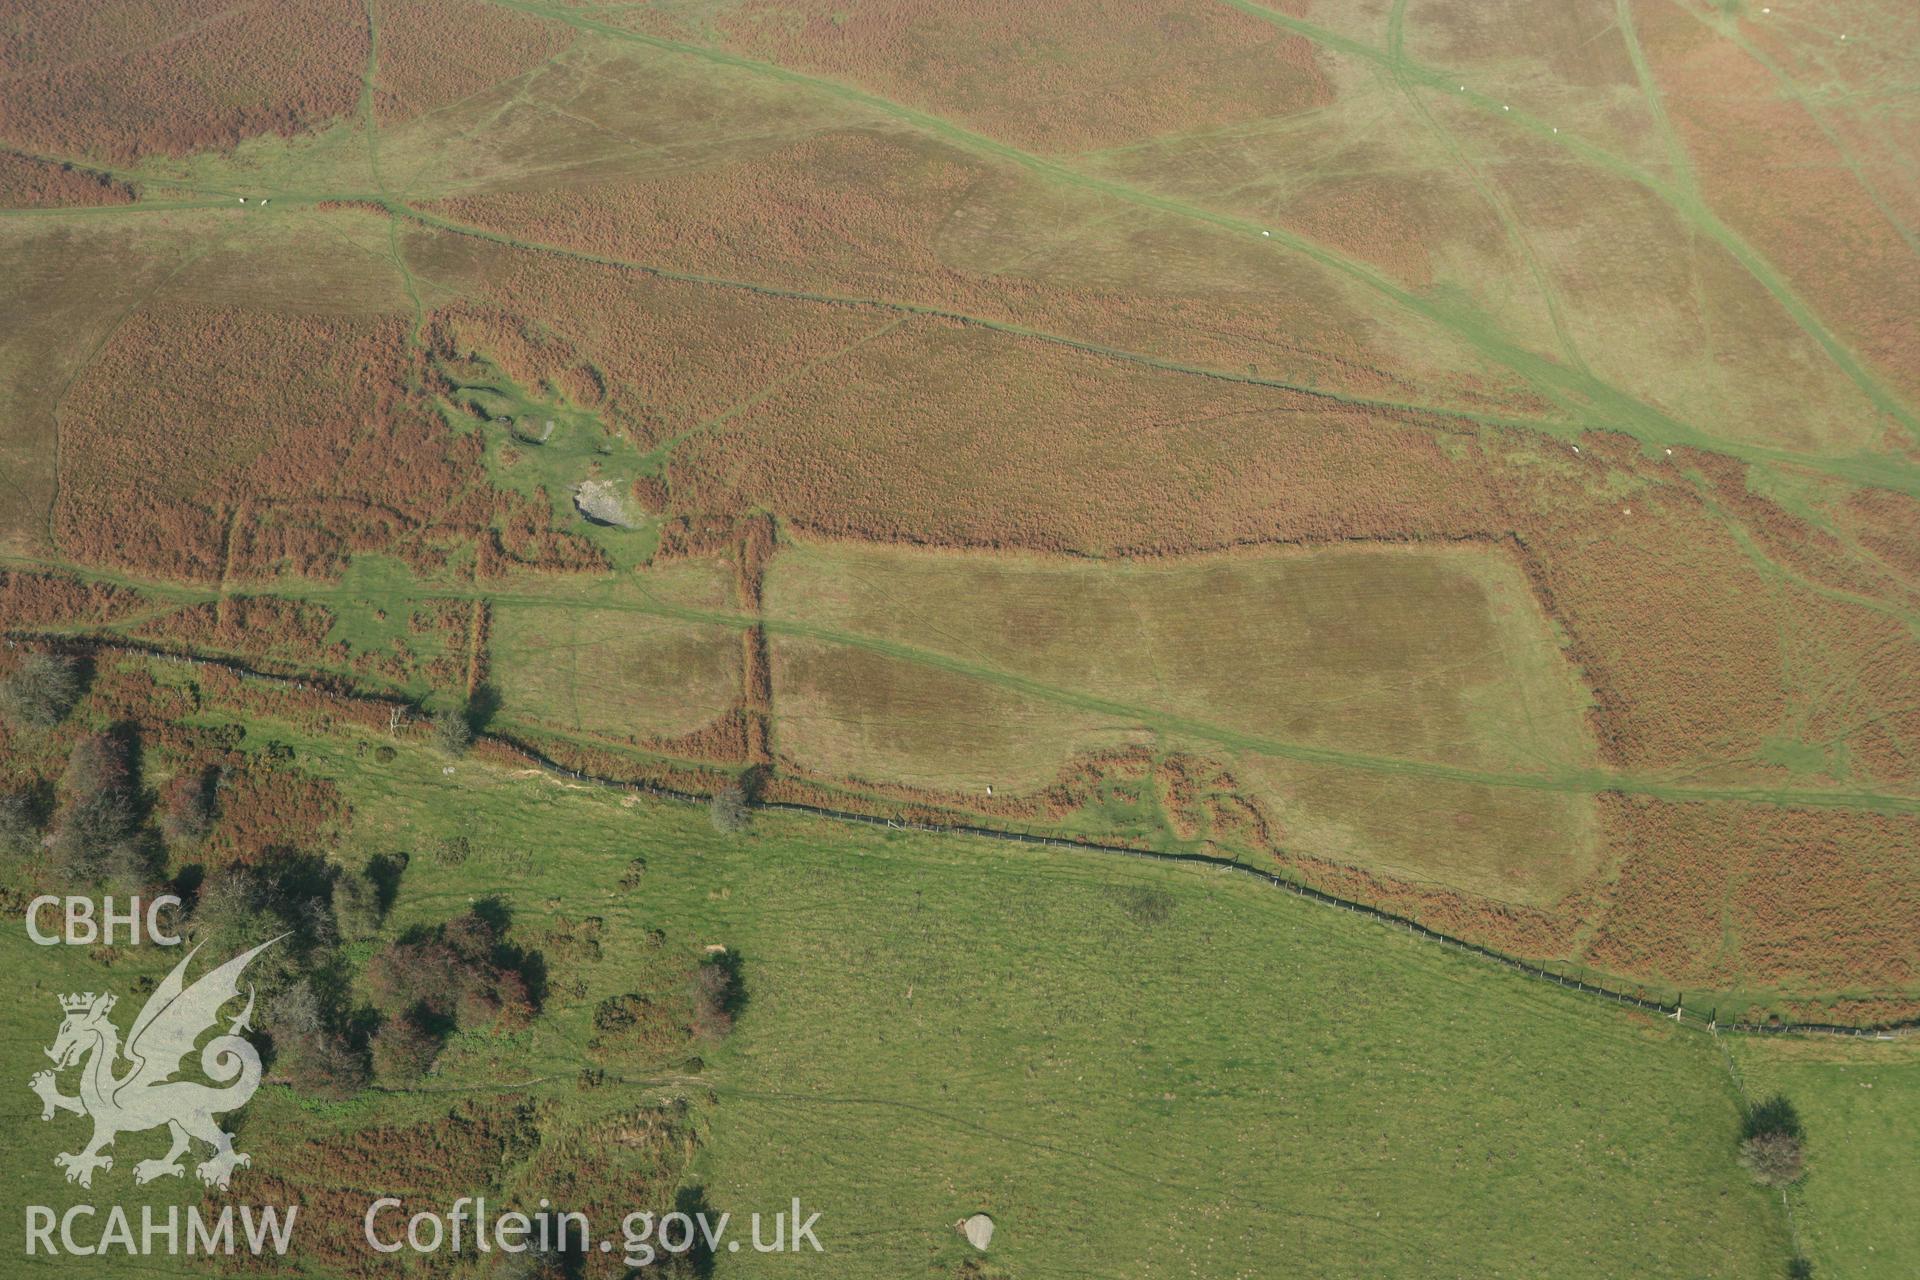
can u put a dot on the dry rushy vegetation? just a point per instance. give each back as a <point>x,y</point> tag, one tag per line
<point>30,182</point>
<point>173,76</point>
<point>1001,65</point>
<point>1749,142</point>
<point>419,70</point>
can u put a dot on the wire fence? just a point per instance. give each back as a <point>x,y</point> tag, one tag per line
<point>408,712</point>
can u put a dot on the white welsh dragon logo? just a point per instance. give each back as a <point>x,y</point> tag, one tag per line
<point>144,1097</point>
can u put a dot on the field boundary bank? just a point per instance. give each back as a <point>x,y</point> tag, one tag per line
<point>408,713</point>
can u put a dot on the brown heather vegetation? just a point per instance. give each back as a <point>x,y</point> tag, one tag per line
<point>263,811</point>
<point>1850,1011</point>
<point>259,808</point>
<point>312,707</point>
<point>472,346</point>
<point>242,445</point>
<point>1506,926</point>
<point>30,182</point>
<point>517,750</point>
<point>471,1150</point>
<point>526,539</point>
<point>864,213</point>
<point>479,639</point>
<point>650,492</point>
<point>630,1162</point>
<point>1239,821</point>
<point>754,548</point>
<point>653,357</point>
<point>757,686</point>
<point>1375,219</point>
<point>724,741</point>
<point>998,441</point>
<point>1183,781</point>
<point>459,973</point>
<point>54,599</point>
<point>693,537</point>
<point>419,71</point>
<point>1714,894</point>
<point>1135,70</point>
<point>175,76</point>
<point>253,625</point>
<point>1884,522</point>
<point>1789,540</point>
<point>639,1028</point>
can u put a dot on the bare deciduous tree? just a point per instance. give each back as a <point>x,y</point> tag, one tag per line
<point>41,691</point>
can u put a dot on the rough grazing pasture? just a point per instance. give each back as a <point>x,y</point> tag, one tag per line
<point>1135,71</point>
<point>1436,654</point>
<point>1573,312</point>
<point>612,674</point>
<point>1458,454</point>
<point>883,213</point>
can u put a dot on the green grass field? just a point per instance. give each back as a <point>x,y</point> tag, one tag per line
<point>1860,1102</point>
<point>1136,1069</point>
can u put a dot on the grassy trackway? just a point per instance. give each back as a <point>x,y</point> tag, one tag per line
<point>1602,405</point>
<point>1607,409</point>
<point>1574,781</point>
<point>1681,200</point>
<point>1866,470</point>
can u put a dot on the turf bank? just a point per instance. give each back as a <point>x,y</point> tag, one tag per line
<point>86,1231</point>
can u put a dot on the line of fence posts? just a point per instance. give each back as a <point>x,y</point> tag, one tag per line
<point>402,710</point>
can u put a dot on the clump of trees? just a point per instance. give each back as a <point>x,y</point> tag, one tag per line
<point>453,730</point>
<point>96,835</point>
<point>315,1046</point>
<point>719,994</point>
<point>186,807</point>
<point>461,974</point>
<point>728,809</point>
<point>360,900</point>
<point>1771,1143</point>
<point>319,1045</point>
<point>41,691</point>
<point>19,823</point>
